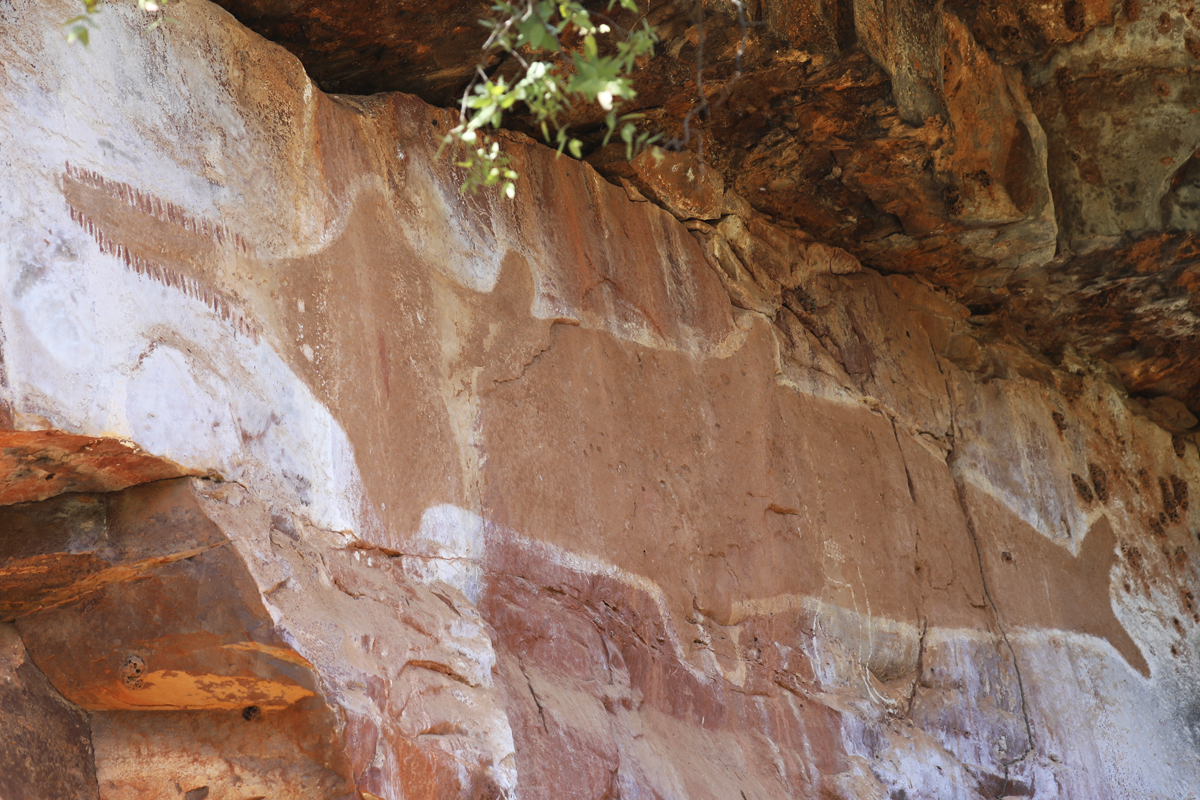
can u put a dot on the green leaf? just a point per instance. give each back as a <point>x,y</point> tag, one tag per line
<point>545,90</point>
<point>537,34</point>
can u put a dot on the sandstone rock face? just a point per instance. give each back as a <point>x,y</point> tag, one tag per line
<point>46,745</point>
<point>324,480</point>
<point>1034,158</point>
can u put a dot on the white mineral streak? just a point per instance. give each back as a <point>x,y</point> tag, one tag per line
<point>91,346</point>
<point>449,547</point>
<point>96,349</point>
<point>1074,683</point>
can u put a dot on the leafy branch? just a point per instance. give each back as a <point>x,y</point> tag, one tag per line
<point>549,82</point>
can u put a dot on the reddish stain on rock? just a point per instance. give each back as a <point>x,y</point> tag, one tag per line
<point>42,464</point>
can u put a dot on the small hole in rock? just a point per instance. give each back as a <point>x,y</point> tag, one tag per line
<point>132,671</point>
<point>250,713</point>
<point>1075,15</point>
<point>1082,489</point>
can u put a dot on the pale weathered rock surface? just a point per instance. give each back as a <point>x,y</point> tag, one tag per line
<point>388,492</point>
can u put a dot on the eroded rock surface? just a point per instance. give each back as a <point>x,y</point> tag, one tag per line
<point>377,490</point>
<point>1036,159</point>
<point>46,744</point>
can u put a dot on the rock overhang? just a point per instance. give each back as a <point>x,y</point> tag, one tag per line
<point>614,485</point>
<point>1030,158</point>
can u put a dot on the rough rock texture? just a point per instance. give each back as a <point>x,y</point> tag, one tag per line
<point>45,745</point>
<point>1035,158</point>
<point>375,490</point>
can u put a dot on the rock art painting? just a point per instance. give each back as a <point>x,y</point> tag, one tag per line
<point>321,479</point>
<point>96,206</point>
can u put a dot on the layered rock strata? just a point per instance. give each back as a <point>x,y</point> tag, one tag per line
<point>1034,158</point>
<point>325,480</point>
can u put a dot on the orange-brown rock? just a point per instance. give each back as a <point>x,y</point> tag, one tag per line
<point>45,743</point>
<point>563,496</point>
<point>1008,151</point>
<point>43,463</point>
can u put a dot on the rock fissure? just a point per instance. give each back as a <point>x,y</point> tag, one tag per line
<point>623,452</point>
<point>532,693</point>
<point>991,603</point>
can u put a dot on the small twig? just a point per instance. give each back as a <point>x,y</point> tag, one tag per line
<point>612,23</point>
<point>704,105</point>
<point>697,15</point>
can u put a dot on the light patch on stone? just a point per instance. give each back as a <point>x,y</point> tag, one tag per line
<point>98,350</point>
<point>449,547</point>
<point>887,647</point>
<point>282,653</point>
<point>1008,447</point>
<point>1088,704</point>
<point>468,253</point>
